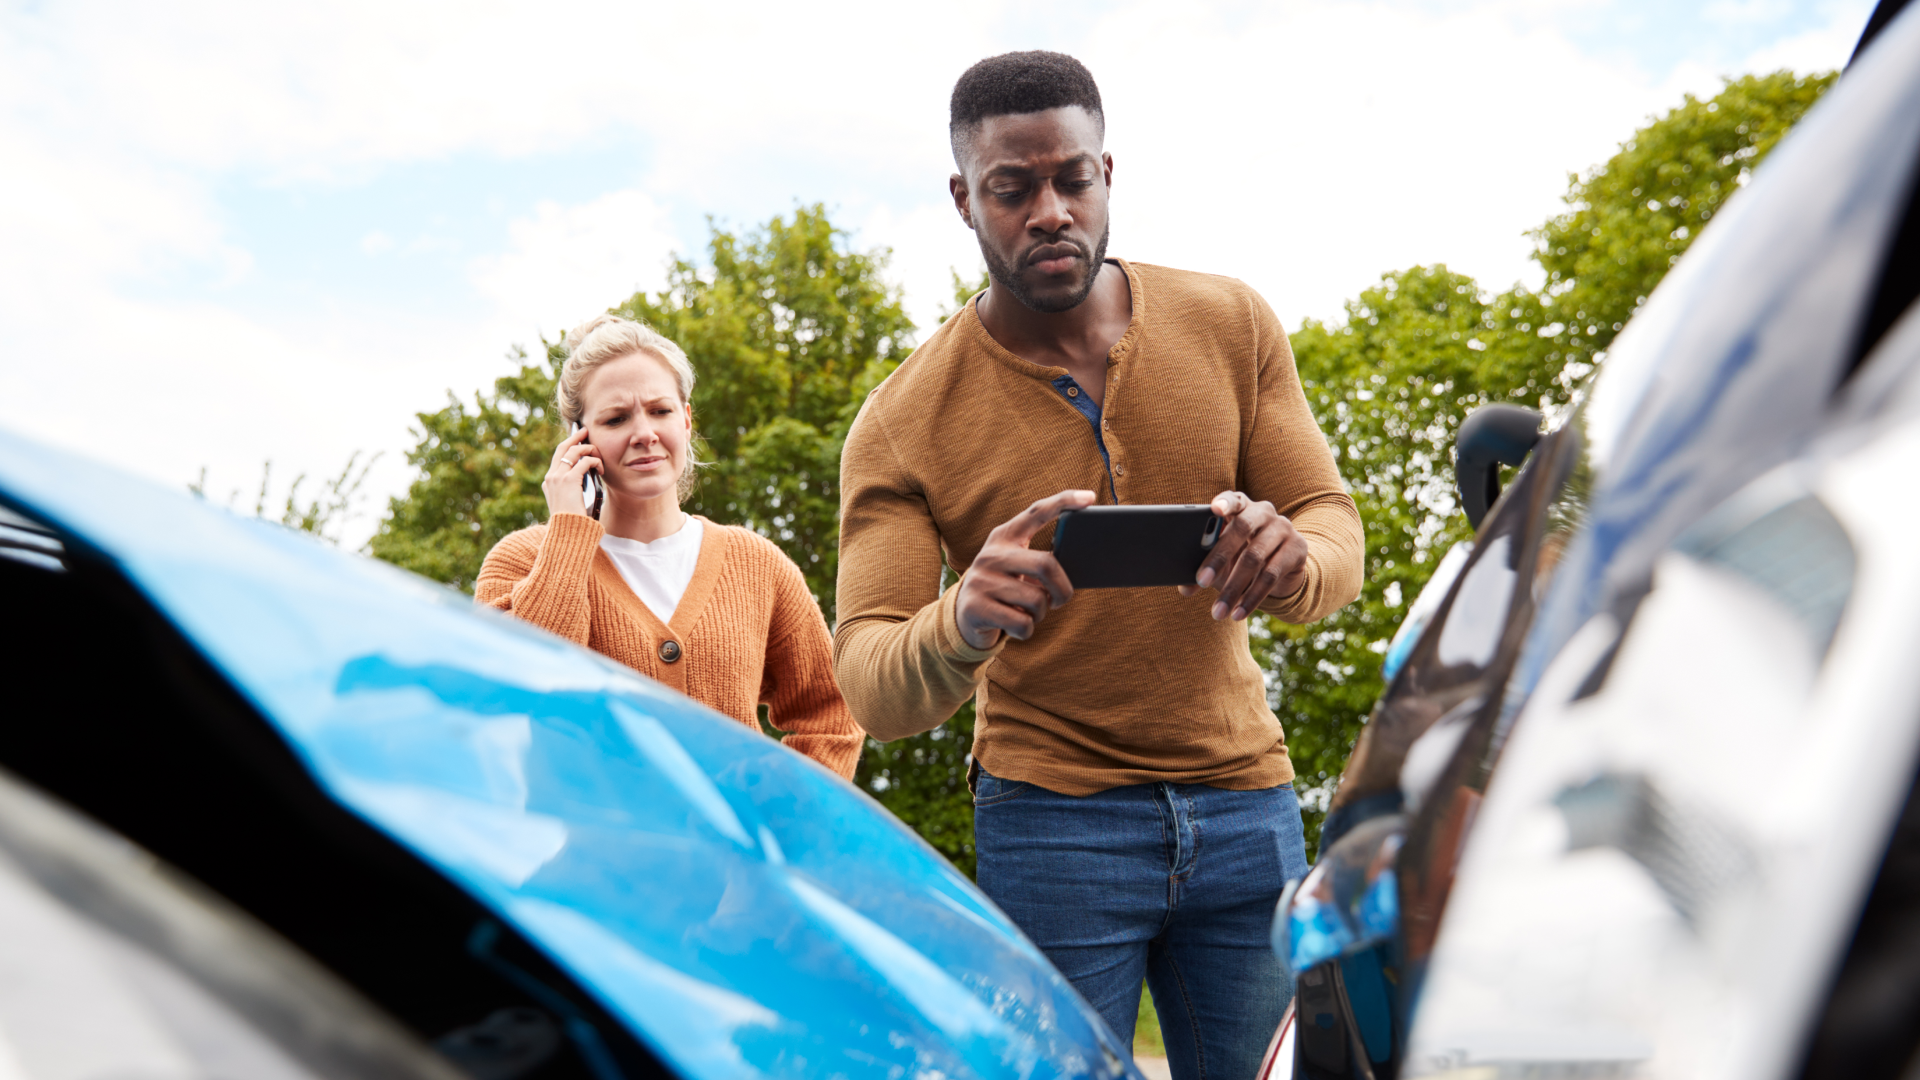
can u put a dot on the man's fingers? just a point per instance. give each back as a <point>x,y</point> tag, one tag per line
<point>1019,530</point>
<point>1278,575</point>
<point>1229,503</point>
<point>1009,620</point>
<point>1233,539</point>
<point>1216,561</point>
<point>1019,592</point>
<point>1257,592</point>
<point>1041,566</point>
<point>1250,561</point>
<point>1008,604</point>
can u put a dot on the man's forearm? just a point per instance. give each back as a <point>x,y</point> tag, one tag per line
<point>1336,561</point>
<point>903,677</point>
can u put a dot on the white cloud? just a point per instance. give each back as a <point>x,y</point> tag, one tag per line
<point>567,263</point>
<point>1305,147</point>
<point>1333,142</point>
<point>1823,48</point>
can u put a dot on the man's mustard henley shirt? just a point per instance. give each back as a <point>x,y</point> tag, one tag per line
<point>1119,686</point>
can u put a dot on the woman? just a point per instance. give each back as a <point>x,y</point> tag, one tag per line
<point>714,611</point>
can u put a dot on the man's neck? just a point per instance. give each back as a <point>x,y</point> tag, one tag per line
<point>1077,339</point>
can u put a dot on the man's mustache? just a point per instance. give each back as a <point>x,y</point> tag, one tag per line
<point>1026,258</point>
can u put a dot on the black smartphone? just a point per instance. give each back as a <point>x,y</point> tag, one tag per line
<point>1130,547</point>
<point>591,490</point>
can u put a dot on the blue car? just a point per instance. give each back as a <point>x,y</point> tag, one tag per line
<point>267,809</point>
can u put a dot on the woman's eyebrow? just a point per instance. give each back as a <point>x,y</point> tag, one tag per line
<point>628,406</point>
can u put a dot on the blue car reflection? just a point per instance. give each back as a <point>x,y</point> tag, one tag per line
<point>676,893</point>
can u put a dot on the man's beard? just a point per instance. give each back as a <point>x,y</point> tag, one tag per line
<point>1008,279</point>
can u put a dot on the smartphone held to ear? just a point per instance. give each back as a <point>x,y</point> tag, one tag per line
<point>1129,547</point>
<point>592,490</point>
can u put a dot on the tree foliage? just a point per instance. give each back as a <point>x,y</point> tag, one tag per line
<point>1426,346</point>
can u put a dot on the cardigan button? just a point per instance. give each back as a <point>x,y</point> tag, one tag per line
<point>670,651</point>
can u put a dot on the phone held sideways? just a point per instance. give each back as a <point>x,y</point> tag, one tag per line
<point>1130,547</point>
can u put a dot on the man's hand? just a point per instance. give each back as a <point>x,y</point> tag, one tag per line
<point>1258,555</point>
<point>1010,587</point>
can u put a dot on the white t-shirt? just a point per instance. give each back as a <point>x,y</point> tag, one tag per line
<point>658,573</point>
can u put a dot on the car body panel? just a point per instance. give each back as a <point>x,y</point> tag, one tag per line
<point>1672,853</point>
<point>1729,370</point>
<point>1647,889</point>
<point>742,909</point>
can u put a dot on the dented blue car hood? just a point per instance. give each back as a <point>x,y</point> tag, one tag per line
<point>746,912</point>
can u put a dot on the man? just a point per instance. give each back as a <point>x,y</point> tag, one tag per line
<point>1134,812</point>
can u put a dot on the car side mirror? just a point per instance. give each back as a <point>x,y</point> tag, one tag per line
<point>1490,436</point>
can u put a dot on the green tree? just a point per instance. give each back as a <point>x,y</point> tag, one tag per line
<point>1628,221</point>
<point>1425,346</point>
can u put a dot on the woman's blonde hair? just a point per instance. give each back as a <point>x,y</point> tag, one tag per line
<point>605,338</point>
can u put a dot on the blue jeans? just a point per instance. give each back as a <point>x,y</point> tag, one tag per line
<point>1176,883</point>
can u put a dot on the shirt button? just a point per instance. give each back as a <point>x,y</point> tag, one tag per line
<point>1119,470</point>
<point>670,651</point>
<point>1073,391</point>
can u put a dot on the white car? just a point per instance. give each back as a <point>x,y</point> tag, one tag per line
<point>1652,739</point>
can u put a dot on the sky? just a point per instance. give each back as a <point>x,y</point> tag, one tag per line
<point>239,233</point>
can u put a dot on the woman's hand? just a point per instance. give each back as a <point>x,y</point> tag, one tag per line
<point>572,460</point>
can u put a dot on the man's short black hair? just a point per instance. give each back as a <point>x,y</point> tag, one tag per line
<point>1019,82</point>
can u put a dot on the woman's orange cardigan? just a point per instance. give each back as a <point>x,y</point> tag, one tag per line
<point>746,633</point>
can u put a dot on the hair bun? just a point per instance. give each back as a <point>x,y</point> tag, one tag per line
<point>579,333</point>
